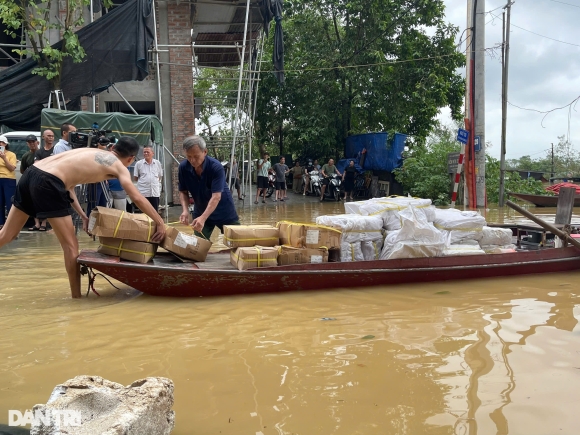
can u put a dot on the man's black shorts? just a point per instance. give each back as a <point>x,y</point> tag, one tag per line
<point>262,182</point>
<point>42,195</point>
<point>280,185</point>
<point>325,181</point>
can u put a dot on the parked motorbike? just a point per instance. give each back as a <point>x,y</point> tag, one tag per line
<point>315,183</point>
<point>271,185</point>
<point>332,191</point>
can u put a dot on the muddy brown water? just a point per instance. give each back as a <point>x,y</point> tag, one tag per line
<point>495,356</point>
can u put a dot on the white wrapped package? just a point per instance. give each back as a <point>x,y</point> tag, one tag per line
<point>389,208</point>
<point>498,249</point>
<point>459,225</point>
<point>350,252</point>
<point>495,236</point>
<point>416,238</point>
<point>463,249</point>
<point>371,250</point>
<point>355,228</point>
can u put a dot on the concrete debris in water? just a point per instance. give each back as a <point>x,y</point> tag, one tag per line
<point>88,405</point>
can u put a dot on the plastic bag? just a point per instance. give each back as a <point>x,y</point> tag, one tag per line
<point>371,250</point>
<point>355,228</point>
<point>351,252</point>
<point>495,236</point>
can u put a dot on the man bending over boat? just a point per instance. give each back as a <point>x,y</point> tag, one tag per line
<point>204,178</point>
<point>46,191</point>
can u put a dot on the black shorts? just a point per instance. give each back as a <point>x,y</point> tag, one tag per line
<point>42,195</point>
<point>262,182</point>
<point>280,185</point>
<point>325,181</point>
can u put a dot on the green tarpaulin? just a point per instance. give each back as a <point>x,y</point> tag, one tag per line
<point>141,127</point>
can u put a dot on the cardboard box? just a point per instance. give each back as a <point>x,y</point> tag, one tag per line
<point>313,236</point>
<point>289,255</point>
<point>108,222</point>
<point>185,245</point>
<point>236,236</point>
<point>139,252</point>
<point>256,256</point>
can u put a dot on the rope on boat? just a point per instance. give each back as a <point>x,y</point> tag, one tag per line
<point>92,275</point>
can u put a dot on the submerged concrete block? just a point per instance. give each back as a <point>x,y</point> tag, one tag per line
<point>88,405</point>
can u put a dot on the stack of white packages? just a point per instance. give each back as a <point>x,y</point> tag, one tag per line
<point>356,230</point>
<point>496,240</point>
<point>459,225</point>
<point>389,209</point>
<point>464,247</point>
<point>416,238</point>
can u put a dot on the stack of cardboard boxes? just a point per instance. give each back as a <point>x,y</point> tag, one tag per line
<point>128,236</point>
<point>259,245</point>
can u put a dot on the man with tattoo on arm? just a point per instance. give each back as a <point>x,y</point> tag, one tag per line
<point>46,191</point>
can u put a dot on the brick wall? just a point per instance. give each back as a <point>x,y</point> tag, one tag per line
<point>183,124</point>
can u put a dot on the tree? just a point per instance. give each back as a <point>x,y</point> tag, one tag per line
<point>360,66</point>
<point>513,182</point>
<point>36,21</point>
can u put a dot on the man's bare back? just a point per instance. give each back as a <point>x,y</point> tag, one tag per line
<point>82,166</point>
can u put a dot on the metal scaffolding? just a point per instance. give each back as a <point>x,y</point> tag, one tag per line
<point>226,56</point>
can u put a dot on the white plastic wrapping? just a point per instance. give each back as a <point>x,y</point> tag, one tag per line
<point>371,250</point>
<point>388,209</point>
<point>355,228</point>
<point>463,249</point>
<point>495,236</point>
<point>498,249</point>
<point>351,252</point>
<point>459,225</point>
<point>416,238</point>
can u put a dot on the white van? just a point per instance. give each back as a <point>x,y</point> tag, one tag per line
<point>17,144</point>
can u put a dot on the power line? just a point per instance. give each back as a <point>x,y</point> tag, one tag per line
<point>564,3</point>
<point>538,34</point>
<point>547,112</point>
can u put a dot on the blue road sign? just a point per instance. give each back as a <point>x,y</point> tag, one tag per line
<point>477,144</point>
<point>462,135</point>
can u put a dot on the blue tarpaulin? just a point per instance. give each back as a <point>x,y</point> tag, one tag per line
<point>382,154</point>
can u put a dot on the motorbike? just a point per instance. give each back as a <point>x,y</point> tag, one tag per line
<point>332,191</point>
<point>271,185</point>
<point>315,183</point>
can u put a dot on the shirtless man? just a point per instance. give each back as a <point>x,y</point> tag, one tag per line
<point>46,191</point>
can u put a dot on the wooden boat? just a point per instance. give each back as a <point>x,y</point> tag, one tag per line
<point>167,276</point>
<point>543,200</point>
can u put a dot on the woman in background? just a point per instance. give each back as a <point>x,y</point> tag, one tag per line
<point>7,179</point>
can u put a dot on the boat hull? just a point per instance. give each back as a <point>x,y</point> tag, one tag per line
<point>166,277</point>
<point>543,200</point>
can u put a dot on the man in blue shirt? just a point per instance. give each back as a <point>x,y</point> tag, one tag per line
<point>204,178</point>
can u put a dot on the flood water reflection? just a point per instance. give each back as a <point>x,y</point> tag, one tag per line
<point>496,356</point>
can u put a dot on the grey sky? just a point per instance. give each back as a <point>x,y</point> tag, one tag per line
<point>543,74</point>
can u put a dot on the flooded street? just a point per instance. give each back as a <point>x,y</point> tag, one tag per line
<point>496,356</point>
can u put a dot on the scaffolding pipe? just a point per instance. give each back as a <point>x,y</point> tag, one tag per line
<point>240,86</point>
<point>93,102</point>
<point>158,74</point>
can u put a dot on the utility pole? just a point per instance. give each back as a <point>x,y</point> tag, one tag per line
<point>505,56</point>
<point>552,176</point>
<point>479,103</point>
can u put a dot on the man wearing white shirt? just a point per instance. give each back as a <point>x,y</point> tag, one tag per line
<point>62,145</point>
<point>148,173</point>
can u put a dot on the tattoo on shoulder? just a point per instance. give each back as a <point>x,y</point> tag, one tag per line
<point>104,158</point>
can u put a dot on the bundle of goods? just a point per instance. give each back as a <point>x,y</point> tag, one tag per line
<point>465,247</point>
<point>389,209</point>
<point>289,255</point>
<point>363,231</point>
<point>185,245</point>
<point>305,235</point>
<point>496,240</point>
<point>255,256</point>
<point>109,222</point>
<point>127,236</point>
<point>236,236</point>
<point>417,238</point>
<point>459,225</point>
<point>139,252</point>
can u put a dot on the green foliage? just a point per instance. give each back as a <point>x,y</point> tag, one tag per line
<point>359,66</point>
<point>36,21</point>
<point>513,182</point>
<point>424,171</point>
<point>566,161</point>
